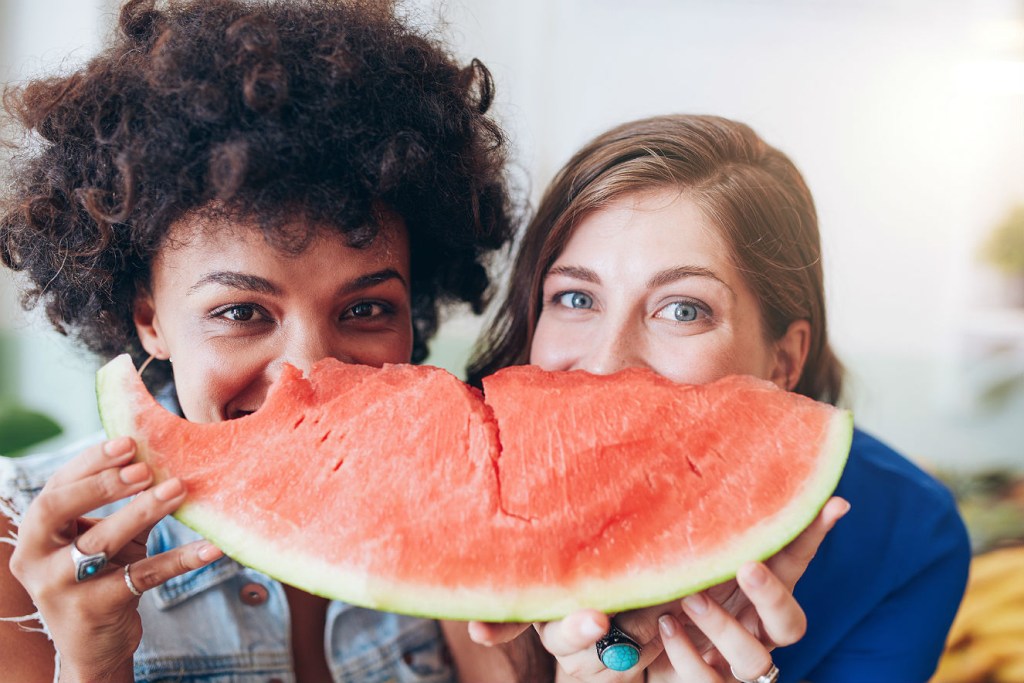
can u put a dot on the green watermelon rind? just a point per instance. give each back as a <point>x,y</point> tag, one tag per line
<point>281,560</point>
<point>113,389</point>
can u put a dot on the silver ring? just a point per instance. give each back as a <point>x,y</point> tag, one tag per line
<point>87,566</point>
<point>128,582</point>
<point>617,651</point>
<point>770,676</point>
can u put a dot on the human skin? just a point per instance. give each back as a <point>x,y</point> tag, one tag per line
<point>229,310</point>
<point>647,281</point>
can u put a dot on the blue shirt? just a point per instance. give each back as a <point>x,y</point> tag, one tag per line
<point>882,591</point>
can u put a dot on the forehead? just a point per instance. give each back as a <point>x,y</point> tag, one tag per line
<point>209,234</point>
<point>660,224</point>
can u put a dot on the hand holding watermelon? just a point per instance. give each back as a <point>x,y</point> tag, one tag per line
<point>746,616</point>
<point>94,623</point>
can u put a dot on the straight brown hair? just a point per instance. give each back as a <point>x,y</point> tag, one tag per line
<point>751,191</point>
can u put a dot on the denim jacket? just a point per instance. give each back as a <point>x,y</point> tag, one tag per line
<point>225,623</point>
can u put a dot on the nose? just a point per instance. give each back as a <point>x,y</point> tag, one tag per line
<point>305,344</point>
<point>614,347</point>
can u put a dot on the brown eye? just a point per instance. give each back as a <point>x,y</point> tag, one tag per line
<point>368,310</point>
<point>362,310</point>
<point>240,313</point>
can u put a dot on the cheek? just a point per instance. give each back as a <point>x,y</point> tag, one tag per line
<point>703,359</point>
<point>207,383</point>
<point>550,350</point>
<point>394,348</point>
<point>690,364</point>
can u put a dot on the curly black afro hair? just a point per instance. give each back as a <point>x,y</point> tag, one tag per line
<point>259,109</point>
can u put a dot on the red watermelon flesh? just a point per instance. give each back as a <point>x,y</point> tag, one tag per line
<point>399,488</point>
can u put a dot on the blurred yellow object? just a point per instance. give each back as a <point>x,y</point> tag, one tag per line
<point>986,642</point>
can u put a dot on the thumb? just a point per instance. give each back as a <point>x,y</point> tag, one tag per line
<point>486,633</point>
<point>577,632</point>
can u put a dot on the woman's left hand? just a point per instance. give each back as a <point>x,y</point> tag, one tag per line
<point>735,624</point>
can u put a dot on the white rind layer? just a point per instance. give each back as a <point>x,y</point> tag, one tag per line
<point>610,594</point>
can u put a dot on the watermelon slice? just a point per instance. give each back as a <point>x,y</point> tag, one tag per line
<point>400,489</point>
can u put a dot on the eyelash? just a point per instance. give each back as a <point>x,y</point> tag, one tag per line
<point>381,309</point>
<point>557,297</point>
<point>221,313</point>
<point>700,306</point>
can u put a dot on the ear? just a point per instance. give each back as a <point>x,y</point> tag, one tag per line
<point>148,326</point>
<point>791,354</point>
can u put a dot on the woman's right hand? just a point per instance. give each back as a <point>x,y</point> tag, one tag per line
<point>742,622</point>
<point>95,624</point>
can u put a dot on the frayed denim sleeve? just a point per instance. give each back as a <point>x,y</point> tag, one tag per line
<point>21,480</point>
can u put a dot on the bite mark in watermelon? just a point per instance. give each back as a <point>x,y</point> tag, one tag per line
<point>400,489</point>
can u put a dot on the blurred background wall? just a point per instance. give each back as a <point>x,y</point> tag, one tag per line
<point>906,117</point>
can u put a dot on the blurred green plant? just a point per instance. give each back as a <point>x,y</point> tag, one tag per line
<point>992,504</point>
<point>1004,251</point>
<point>1004,247</point>
<point>20,427</point>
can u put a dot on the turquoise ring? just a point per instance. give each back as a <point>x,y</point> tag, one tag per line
<point>87,566</point>
<point>617,651</point>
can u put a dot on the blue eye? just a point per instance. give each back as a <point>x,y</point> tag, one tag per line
<point>684,312</point>
<point>575,300</point>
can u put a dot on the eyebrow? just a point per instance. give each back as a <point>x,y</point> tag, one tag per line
<point>373,279</point>
<point>575,272</point>
<point>671,275</point>
<point>659,279</point>
<point>235,280</point>
<point>255,283</point>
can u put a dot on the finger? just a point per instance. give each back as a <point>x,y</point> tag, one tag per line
<point>126,525</point>
<point>153,571</point>
<point>54,512</point>
<point>747,655</point>
<point>687,663</point>
<point>93,460</point>
<point>790,563</point>
<point>782,620</point>
<point>487,633</point>
<point>642,624</point>
<point>578,632</point>
<point>573,642</point>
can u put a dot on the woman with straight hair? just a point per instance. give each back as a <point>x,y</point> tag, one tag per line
<point>688,245</point>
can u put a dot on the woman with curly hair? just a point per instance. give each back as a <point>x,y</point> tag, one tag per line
<point>230,186</point>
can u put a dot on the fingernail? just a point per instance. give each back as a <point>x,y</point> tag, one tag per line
<point>697,603</point>
<point>122,445</point>
<point>208,552</point>
<point>479,634</point>
<point>845,507</point>
<point>667,625</point>
<point>169,489</point>
<point>134,473</point>
<point>591,629</point>
<point>754,573</point>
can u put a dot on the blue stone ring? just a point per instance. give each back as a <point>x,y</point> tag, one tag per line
<point>617,651</point>
<point>87,566</point>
